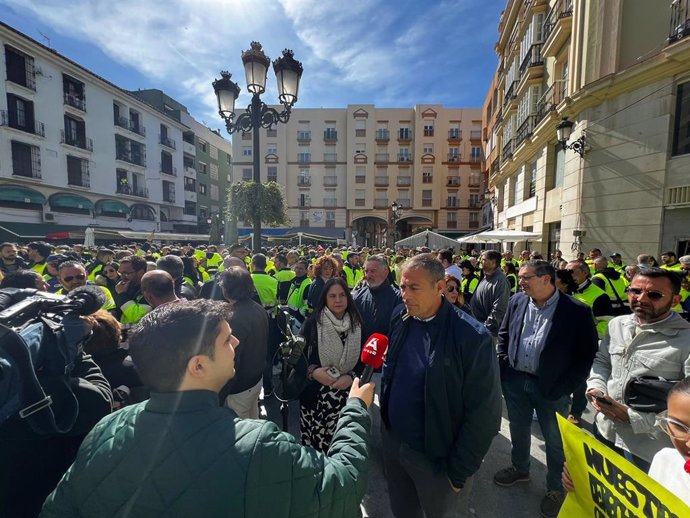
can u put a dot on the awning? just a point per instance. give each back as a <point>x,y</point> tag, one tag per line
<point>112,206</point>
<point>264,231</point>
<point>70,201</point>
<point>160,236</point>
<point>19,194</point>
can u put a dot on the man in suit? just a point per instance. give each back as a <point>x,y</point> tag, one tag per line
<point>546,345</point>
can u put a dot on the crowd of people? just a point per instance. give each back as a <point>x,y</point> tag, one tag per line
<point>183,353</point>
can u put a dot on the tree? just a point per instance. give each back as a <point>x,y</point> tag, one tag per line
<point>243,201</point>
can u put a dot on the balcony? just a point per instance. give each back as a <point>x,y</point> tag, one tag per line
<point>304,203</point>
<point>304,158</point>
<point>382,135</point>
<point>525,130</point>
<point>78,141</point>
<point>381,158</point>
<point>557,26</point>
<point>381,181</point>
<point>128,190</point>
<point>12,121</point>
<point>451,224</point>
<point>330,157</point>
<point>680,20</point>
<point>511,93</point>
<point>188,147</point>
<point>454,134</point>
<point>426,202</point>
<point>507,151</point>
<point>475,159</point>
<point>452,203</point>
<point>330,136</point>
<point>496,164</point>
<point>453,181</point>
<point>167,141</point>
<point>189,171</point>
<point>330,181</point>
<point>404,181</point>
<point>168,197</point>
<point>304,181</point>
<point>475,204</point>
<point>404,158</point>
<point>170,171</point>
<point>304,136</point>
<point>476,135</point>
<point>330,203</point>
<point>533,58</point>
<point>381,204</point>
<point>454,158</point>
<point>130,125</point>
<point>75,101</point>
<point>190,195</point>
<point>547,103</point>
<point>404,135</point>
<point>271,177</point>
<point>131,158</point>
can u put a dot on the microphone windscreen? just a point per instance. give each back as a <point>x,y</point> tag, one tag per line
<point>374,350</point>
<point>89,299</point>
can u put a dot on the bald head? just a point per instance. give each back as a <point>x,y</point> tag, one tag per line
<point>158,287</point>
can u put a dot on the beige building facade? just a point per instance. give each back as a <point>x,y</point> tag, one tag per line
<point>620,71</point>
<point>342,169</point>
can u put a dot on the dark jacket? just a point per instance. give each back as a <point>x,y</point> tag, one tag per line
<point>179,454</point>
<point>184,290</point>
<point>568,353</point>
<point>249,323</point>
<point>315,289</point>
<point>376,307</point>
<point>462,391</point>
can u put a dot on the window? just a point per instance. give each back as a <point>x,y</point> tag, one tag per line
<point>426,198</point>
<point>247,175</point>
<point>167,163</point>
<point>215,193</point>
<point>272,149</point>
<point>303,218</point>
<point>681,125</point>
<point>512,193</point>
<point>361,148</point>
<point>451,219</point>
<point>214,172</point>
<point>559,166</point>
<point>77,171</point>
<point>20,68</point>
<point>428,129</point>
<point>75,132</point>
<point>452,201</point>
<point>168,192</point>
<point>73,92</point>
<point>20,115</point>
<point>330,219</point>
<point>428,175</point>
<point>404,133</point>
<point>272,174</point>
<point>330,134</point>
<point>429,148</point>
<point>404,154</point>
<point>202,168</point>
<point>476,154</point>
<point>474,201</point>
<point>360,197</point>
<point>203,146</point>
<point>246,151</point>
<point>189,184</point>
<point>474,219</point>
<point>360,128</point>
<point>202,189</point>
<point>531,179</point>
<point>190,208</point>
<point>304,200</point>
<point>26,160</point>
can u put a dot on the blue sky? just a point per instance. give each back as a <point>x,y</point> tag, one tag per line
<point>392,53</point>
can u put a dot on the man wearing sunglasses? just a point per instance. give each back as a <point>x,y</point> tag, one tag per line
<point>653,341</point>
<point>72,275</point>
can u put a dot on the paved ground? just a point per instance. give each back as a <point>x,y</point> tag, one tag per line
<point>488,500</point>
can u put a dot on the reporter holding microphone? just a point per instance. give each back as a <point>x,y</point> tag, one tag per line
<point>333,337</point>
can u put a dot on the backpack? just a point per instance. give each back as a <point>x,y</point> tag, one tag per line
<point>36,362</point>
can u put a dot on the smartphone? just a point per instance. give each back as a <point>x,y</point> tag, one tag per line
<point>601,400</point>
<point>333,372</point>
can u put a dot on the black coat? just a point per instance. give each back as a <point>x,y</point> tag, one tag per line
<point>568,353</point>
<point>376,307</point>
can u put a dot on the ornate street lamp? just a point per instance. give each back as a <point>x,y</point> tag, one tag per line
<point>396,214</point>
<point>563,132</point>
<point>288,73</point>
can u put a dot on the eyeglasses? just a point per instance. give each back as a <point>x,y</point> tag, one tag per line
<point>651,295</point>
<point>671,427</point>
<point>126,274</point>
<point>450,289</point>
<point>70,278</point>
<point>527,277</point>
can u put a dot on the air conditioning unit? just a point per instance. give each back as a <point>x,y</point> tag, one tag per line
<point>48,217</point>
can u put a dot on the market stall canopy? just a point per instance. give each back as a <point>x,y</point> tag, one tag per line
<point>500,235</point>
<point>476,239</point>
<point>428,239</point>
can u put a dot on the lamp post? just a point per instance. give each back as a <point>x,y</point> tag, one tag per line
<point>288,72</point>
<point>396,214</point>
<point>216,226</point>
<point>563,132</point>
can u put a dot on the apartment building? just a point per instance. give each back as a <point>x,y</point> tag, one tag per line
<point>207,165</point>
<point>343,168</point>
<point>620,71</point>
<point>77,151</point>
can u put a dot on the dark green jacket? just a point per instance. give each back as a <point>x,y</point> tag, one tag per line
<point>181,455</point>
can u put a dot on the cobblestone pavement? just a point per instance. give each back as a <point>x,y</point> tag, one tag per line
<point>488,500</point>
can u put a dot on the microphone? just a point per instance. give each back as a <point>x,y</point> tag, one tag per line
<point>372,355</point>
<point>87,299</point>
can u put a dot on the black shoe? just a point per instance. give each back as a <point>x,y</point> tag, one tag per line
<point>509,477</point>
<point>551,504</point>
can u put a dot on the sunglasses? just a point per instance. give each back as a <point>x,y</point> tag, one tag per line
<point>450,289</point>
<point>70,278</point>
<point>651,295</point>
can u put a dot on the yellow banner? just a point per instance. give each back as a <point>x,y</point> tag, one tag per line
<point>608,486</point>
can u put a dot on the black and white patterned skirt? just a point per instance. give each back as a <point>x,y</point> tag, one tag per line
<point>318,418</point>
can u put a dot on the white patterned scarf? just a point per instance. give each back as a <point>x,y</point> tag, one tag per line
<point>341,353</point>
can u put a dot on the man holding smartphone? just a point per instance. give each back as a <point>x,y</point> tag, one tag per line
<point>653,341</point>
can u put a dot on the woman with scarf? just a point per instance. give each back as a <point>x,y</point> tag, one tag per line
<point>333,336</point>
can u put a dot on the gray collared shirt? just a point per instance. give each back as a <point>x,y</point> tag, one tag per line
<point>535,328</point>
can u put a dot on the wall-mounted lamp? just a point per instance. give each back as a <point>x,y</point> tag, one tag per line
<point>563,132</point>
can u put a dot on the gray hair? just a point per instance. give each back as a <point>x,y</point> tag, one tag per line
<point>427,262</point>
<point>378,258</point>
<point>541,268</point>
<point>171,264</point>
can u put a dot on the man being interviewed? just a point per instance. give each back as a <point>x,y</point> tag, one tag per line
<point>181,454</point>
<point>440,398</point>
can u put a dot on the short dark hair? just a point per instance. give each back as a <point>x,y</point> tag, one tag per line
<point>237,283</point>
<point>21,279</point>
<point>41,247</point>
<point>164,340</point>
<point>138,263</point>
<point>541,268</point>
<point>171,264</point>
<point>428,263</point>
<point>259,260</point>
<point>493,255</point>
<point>6,243</point>
<point>682,387</point>
<point>567,278</point>
<point>658,273</point>
<point>446,255</point>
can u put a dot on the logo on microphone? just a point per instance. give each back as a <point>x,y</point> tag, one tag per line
<point>373,346</point>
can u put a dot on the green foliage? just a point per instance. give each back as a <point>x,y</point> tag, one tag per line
<point>243,201</point>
